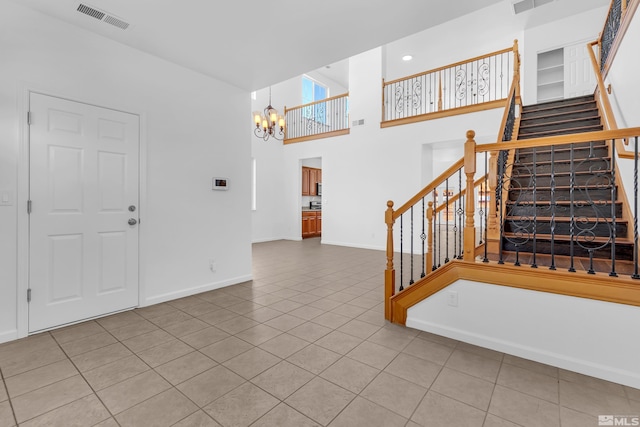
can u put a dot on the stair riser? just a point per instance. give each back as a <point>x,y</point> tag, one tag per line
<point>594,194</point>
<point>564,166</point>
<point>545,127</point>
<point>536,111</point>
<point>558,148</point>
<point>525,225</point>
<point>528,121</point>
<point>557,132</point>
<point>623,252</point>
<point>581,180</point>
<point>578,155</point>
<point>603,210</point>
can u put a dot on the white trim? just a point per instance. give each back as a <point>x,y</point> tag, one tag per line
<point>8,336</point>
<point>169,296</point>
<point>631,379</point>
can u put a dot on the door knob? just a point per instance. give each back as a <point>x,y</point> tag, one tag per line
<point>132,221</point>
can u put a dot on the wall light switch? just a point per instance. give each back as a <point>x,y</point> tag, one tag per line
<point>452,298</point>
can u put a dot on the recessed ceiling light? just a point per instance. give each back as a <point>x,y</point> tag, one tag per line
<point>407,58</point>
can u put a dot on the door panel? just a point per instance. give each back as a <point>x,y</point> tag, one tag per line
<point>83,255</point>
<point>579,76</point>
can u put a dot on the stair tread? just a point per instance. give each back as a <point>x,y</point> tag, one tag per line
<point>557,122</point>
<point>560,202</point>
<point>567,237</point>
<point>566,131</point>
<point>569,102</point>
<point>560,148</point>
<point>567,219</point>
<point>586,110</point>
<point>544,174</point>
<point>563,161</point>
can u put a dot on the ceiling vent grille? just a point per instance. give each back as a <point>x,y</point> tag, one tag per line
<point>102,16</point>
<point>524,5</point>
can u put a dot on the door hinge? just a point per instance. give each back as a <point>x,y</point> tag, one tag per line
<point>29,117</point>
<point>28,295</point>
<point>28,207</point>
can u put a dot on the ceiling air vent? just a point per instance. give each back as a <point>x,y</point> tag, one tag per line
<point>102,16</point>
<point>520,6</point>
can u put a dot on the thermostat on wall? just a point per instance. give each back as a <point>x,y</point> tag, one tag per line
<point>220,184</point>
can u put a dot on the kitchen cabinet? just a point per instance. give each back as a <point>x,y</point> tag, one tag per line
<point>311,223</point>
<point>310,178</point>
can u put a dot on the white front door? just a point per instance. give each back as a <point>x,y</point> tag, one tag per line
<point>579,78</point>
<point>83,253</point>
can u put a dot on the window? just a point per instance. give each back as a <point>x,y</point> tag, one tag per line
<point>313,91</point>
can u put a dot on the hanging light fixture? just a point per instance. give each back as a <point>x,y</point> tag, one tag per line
<point>267,124</point>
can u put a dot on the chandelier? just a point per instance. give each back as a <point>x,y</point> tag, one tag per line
<point>266,123</point>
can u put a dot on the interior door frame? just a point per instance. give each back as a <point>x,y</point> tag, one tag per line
<point>23,185</point>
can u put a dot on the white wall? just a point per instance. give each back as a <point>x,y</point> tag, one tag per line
<point>193,128</point>
<point>578,334</point>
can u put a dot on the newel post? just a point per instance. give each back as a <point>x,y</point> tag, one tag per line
<point>470,171</point>
<point>390,272</point>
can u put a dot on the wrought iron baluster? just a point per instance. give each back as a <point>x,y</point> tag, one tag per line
<point>411,259</point>
<point>553,209</point>
<point>535,212</point>
<point>423,237</point>
<point>401,253</point>
<point>613,210</point>
<point>460,215</point>
<point>501,171</point>
<point>434,220</point>
<point>446,221</point>
<point>572,220</point>
<point>635,210</point>
<point>486,201</point>
<point>455,225</point>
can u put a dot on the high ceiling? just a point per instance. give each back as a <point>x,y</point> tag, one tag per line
<point>252,44</point>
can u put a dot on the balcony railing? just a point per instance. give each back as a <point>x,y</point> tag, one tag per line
<point>475,84</point>
<point>320,119</point>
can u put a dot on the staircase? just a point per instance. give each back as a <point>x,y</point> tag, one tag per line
<point>542,202</point>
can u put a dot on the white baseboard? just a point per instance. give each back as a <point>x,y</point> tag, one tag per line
<point>8,336</point>
<point>194,290</point>
<point>609,373</point>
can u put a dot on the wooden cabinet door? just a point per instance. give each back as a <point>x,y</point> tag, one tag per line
<point>306,180</point>
<point>319,223</point>
<point>305,225</point>
<point>319,175</point>
<point>313,180</point>
<point>313,224</point>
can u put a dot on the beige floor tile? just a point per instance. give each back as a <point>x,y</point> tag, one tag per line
<point>187,327</point>
<point>349,310</point>
<point>102,356</point>
<point>285,305</point>
<point>217,316</point>
<point>410,368</point>
<point>339,342</point>
<point>437,339</point>
<point>171,318</point>
<point>350,374</point>
<point>163,409</point>
<point>331,320</point>
<point>632,393</point>
<point>226,349</point>
<point>42,400</point>
<point>320,400</point>
<point>529,382</point>
<point>475,365</point>
<point>131,330</point>
<point>363,413</point>
<point>395,394</point>
<point>164,353</point>
<point>359,329</point>
<point>493,421</point>
<point>84,345</point>
<point>210,385</point>
<point>285,322</point>
<point>146,341</point>
<point>372,317</point>
<point>197,419</point>
<point>523,409</point>
<point>39,377</point>
<point>200,309</point>
<point>119,320</point>
<point>306,312</point>
<point>263,314</point>
<point>185,367</point>
<point>284,416</point>
<point>267,299</point>
<point>155,311</point>
<point>244,307</point>
<point>310,331</point>
<point>223,300</point>
<point>242,406</point>
<point>205,337</point>
<point>464,388</point>
<point>391,339</point>
<point>373,354</point>
<point>251,363</point>
<point>23,357</point>
<point>6,415</point>
<point>314,359</point>
<point>304,298</point>
<point>87,411</point>
<point>22,348</point>
<point>258,334</point>
<point>186,302</point>
<point>76,332</point>
<point>437,410</point>
<point>530,365</point>
<point>590,400</point>
<point>596,383</point>
<point>284,345</point>
<point>3,391</point>
<point>111,422</point>
<point>237,324</point>
<point>480,351</point>
<point>282,379</point>
<point>571,418</point>
<point>114,372</point>
<point>123,395</point>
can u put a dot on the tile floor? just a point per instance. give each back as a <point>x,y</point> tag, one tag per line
<point>303,344</point>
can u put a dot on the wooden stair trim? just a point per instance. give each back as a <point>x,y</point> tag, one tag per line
<point>580,284</point>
